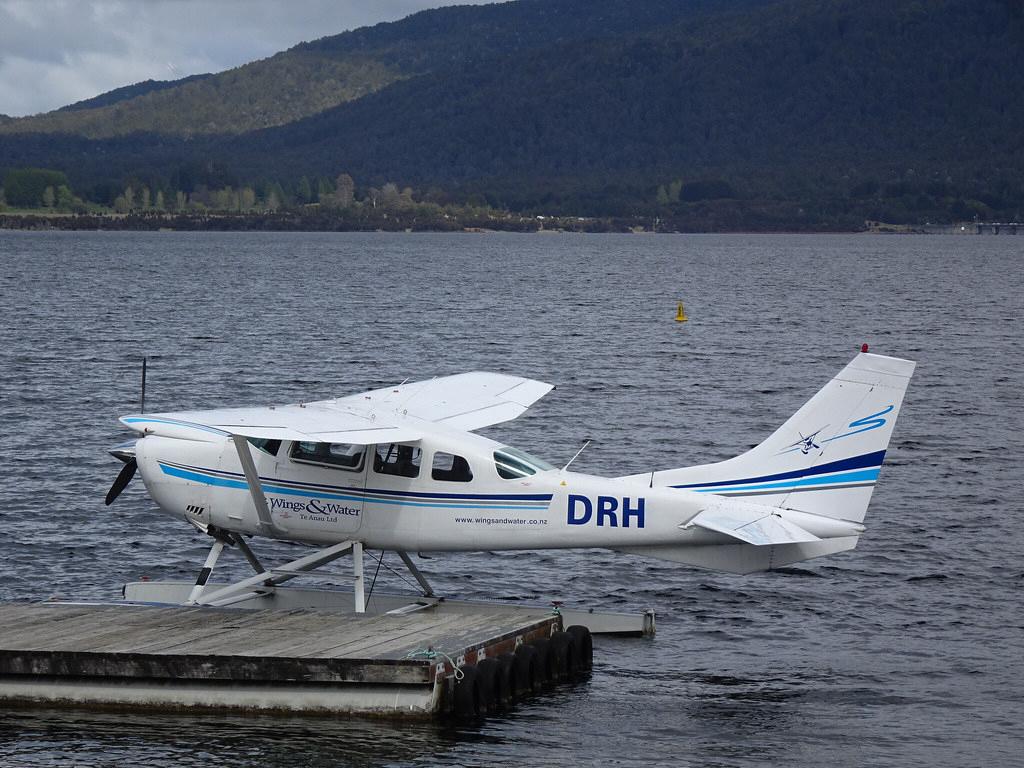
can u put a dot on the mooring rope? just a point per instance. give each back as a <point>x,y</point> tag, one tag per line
<point>430,653</point>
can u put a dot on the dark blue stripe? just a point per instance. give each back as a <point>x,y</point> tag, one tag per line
<point>856,462</point>
<point>224,482</point>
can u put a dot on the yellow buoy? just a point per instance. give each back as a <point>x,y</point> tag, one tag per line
<point>681,315</point>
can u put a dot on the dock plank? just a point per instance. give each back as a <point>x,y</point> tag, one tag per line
<point>221,632</point>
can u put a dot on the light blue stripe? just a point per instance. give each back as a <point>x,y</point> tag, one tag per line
<point>267,488</point>
<point>184,474</point>
<point>863,475</point>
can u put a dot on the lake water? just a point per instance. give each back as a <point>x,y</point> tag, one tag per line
<point>908,651</point>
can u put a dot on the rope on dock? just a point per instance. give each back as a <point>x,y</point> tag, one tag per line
<point>430,653</point>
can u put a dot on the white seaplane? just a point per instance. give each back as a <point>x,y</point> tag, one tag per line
<point>401,469</point>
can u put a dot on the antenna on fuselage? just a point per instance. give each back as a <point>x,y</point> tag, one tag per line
<point>581,450</point>
<point>142,405</point>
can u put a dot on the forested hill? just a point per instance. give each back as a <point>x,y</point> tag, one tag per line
<point>899,109</point>
<point>125,93</point>
<point>800,96</point>
<point>315,76</point>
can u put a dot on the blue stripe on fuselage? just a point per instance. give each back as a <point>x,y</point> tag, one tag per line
<point>410,494</point>
<point>862,476</point>
<point>856,462</point>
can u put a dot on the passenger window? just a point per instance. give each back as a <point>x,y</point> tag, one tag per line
<point>450,468</point>
<point>395,459</point>
<point>512,463</point>
<point>266,445</point>
<point>340,455</point>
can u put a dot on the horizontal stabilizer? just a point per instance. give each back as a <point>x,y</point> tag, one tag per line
<point>751,525</point>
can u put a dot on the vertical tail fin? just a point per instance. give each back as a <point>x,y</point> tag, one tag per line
<point>826,458</point>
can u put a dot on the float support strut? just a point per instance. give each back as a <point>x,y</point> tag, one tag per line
<point>204,573</point>
<point>249,554</point>
<point>357,572</point>
<point>257,584</point>
<point>428,591</point>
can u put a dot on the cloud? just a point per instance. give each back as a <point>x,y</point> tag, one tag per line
<point>55,52</point>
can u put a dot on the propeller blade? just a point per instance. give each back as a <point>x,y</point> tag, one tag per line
<point>123,478</point>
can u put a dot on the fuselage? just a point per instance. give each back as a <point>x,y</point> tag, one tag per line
<point>447,492</point>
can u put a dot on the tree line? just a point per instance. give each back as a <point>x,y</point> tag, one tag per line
<point>47,189</point>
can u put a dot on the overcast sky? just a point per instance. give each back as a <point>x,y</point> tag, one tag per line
<point>55,52</point>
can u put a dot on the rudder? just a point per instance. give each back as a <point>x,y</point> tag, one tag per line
<point>826,458</point>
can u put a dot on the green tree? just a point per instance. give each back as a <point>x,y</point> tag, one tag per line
<point>304,192</point>
<point>274,196</point>
<point>65,199</point>
<point>388,197</point>
<point>49,197</point>
<point>224,199</point>
<point>24,187</point>
<point>345,190</point>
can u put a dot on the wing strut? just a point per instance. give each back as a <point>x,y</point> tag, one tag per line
<point>252,479</point>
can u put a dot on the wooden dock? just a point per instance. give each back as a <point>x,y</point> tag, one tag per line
<point>419,663</point>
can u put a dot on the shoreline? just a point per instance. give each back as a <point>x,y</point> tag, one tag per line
<point>318,221</point>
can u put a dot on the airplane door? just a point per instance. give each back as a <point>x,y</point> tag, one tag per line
<point>321,486</point>
<point>228,508</point>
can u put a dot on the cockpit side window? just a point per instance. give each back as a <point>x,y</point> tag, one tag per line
<point>266,445</point>
<point>395,459</point>
<point>512,463</point>
<point>450,468</point>
<point>339,455</point>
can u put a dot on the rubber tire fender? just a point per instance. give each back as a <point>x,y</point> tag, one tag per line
<point>466,696</point>
<point>507,674</point>
<point>489,683</point>
<point>584,642</point>
<point>526,671</point>
<point>542,646</point>
<point>563,656</point>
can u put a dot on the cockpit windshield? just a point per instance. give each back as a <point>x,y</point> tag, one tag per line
<point>512,463</point>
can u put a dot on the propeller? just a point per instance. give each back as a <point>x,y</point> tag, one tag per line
<point>123,478</point>
<point>126,453</point>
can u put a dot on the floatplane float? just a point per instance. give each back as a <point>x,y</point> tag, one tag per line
<point>401,469</point>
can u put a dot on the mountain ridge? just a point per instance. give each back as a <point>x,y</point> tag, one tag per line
<point>888,108</point>
<point>313,76</point>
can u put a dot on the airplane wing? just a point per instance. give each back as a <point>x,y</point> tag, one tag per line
<point>312,423</point>
<point>465,401</point>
